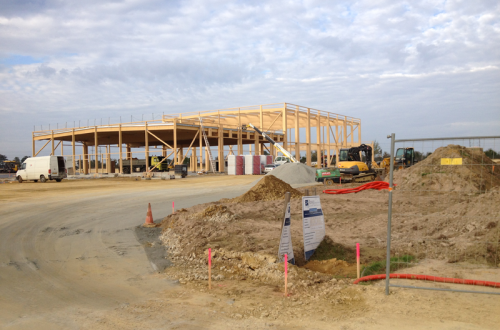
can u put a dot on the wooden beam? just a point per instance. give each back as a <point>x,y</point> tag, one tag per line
<point>52,139</point>
<point>175,141</point>
<point>146,145</point>
<point>308,138</point>
<point>279,115</point>
<point>54,149</point>
<point>33,142</point>
<point>48,141</point>
<point>285,129</point>
<point>318,141</point>
<point>297,134</point>
<point>328,129</point>
<point>73,146</point>
<point>96,143</point>
<point>194,139</point>
<point>165,143</point>
<point>120,142</point>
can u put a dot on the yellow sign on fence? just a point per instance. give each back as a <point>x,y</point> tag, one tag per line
<point>451,161</point>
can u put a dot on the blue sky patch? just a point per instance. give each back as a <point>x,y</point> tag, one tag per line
<point>19,60</point>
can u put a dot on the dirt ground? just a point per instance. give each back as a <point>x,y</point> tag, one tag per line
<point>70,260</point>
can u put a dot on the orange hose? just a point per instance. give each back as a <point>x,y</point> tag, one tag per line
<point>378,185</point>
<point>429,278</point>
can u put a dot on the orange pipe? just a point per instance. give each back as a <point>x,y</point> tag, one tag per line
<point>429,278</point>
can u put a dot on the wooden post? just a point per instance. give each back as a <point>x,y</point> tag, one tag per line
<point>328,141</point>
<point>96,155</point>
<point>359,132</point>
<point>73,147</point>
<point>352,133</point>
<point>297,134</point>
<point>257,143</point>
<point>120,142</point>
<point>201,150</point>
<point>85,158</point>
<point>240,134</point>
<point>344,131</point>
<point>194,159</point>
<point>221,149</point>
<point>207,160</point>
<point>318,140</point>
<point>52,140</point>
<point>285,129</point>
<point>308,138</point>
<point>108,159</point>
<point>175,142</point>
<point>62,147</point>
<point>33,141</point>
<point>146,146</point>
<point>337,139</point>
<point>261,150</point>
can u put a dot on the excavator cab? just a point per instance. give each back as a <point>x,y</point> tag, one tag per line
<point>405,157</point>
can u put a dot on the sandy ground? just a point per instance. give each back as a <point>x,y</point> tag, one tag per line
<point>70,259</point>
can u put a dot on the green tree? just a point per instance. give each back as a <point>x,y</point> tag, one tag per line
<point>314,156</point>
<point>24,158</point>
<point>187,160</point>
<point>3,157</point>
<point>16,159</point>
<point>377,151</point>
<point>492,154</point>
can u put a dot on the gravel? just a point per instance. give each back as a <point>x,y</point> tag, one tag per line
<point>294,173</point>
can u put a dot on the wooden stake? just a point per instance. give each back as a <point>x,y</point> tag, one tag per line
<point>209,269</point>
<point>357,257</point>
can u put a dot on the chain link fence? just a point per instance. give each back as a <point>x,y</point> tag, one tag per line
<point>444,214</point>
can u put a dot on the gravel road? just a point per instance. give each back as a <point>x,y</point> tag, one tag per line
<point>69,255</point>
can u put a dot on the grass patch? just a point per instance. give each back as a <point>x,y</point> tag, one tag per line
<point>328,249</point>
<point>378,267</point>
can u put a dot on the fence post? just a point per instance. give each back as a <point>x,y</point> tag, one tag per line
<point>389,217</point>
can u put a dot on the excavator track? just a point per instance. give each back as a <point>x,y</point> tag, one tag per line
<point>364,178</point>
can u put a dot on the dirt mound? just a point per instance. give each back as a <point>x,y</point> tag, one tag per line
<point>476,174</point>
<point>267,189</point>
<point>294,173</point>
<point>216,213</point>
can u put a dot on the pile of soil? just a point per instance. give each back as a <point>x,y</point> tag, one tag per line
<point>333,267</point>
<point>267,189</point>
<point>294,173</point>
<point>476,174</point>
<point>216,213</point>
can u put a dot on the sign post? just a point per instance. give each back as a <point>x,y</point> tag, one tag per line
<point>313,223</point>
<point>285,247</point>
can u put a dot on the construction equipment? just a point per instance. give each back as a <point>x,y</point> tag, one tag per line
<point>330,175</point>
<point>139,165</point>
<point>212,162</point>
<point>10,166</point>
<point>405,157</point>
<point>350,162</point>
<point>277,146</point>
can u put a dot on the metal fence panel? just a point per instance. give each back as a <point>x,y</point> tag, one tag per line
<point>444,213</point>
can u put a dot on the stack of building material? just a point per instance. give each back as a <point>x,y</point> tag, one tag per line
<point>235,165</point>
<point>252,165</point>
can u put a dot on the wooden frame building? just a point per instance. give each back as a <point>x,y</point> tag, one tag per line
<point>299,129</point>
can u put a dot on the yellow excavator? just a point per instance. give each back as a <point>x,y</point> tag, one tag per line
<point>350,162</point>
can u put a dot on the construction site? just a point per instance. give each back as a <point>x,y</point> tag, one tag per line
<point>116,243</point>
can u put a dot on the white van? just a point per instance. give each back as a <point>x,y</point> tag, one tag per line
<point>280,160</point>
<point>43,169</point>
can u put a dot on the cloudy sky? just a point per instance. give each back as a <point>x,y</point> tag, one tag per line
<point>416,68</point>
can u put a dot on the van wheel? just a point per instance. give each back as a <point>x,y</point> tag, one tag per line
<point>20,179</point>
<point>58,180</point>
<point>43,179</point>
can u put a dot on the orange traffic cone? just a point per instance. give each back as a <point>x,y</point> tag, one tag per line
<point>149,216</point>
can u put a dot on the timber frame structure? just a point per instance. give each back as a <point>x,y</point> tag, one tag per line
<point>301,130</point>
